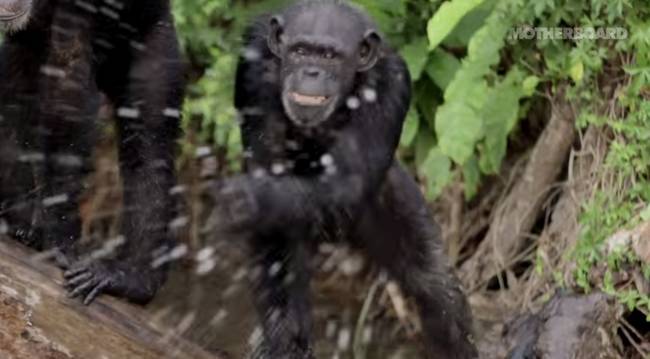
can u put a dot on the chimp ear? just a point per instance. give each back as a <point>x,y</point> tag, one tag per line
<point>275,35</point>
<point>369,50</point>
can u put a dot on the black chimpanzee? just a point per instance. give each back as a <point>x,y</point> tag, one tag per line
<point>56,58</point>
<point>322,100</point>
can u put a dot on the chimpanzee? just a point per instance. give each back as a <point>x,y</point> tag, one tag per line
<point>57,59</point>
<point>322,100</point>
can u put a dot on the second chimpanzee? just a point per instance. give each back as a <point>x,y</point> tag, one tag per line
<point>56,58</point>
<point>323,99</point>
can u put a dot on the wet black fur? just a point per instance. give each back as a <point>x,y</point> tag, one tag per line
<point>52,74</point>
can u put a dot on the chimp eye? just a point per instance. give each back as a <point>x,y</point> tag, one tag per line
<point>329,55</point>
<point>300,50</point>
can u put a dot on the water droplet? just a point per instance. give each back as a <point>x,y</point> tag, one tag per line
<point>172,112</point>
<point>69,160</point>
<point>179,222</point>
<point>205,254</point>
<point>367,335</point>
<point>240,275</point>
<point>4,227</point>
<point>219,317</point>
<point>185,323</point>
<point>256,337</point>
<point>353,103</point>
<point>176,190</point>
<point>251,54</point>
<point>127,112</point>
<point>369,94</point>
<point>330,329</point>
<point>327,160</point>
<point>55,200</point>
<point>31,157</point>
<point>178,251</point>
<point>259,173</point>
<point>343,341</point>
<point>52,71</point>
<point>275,268</point>
<point>277,169</point>
<point>203,151</point>
<point>206,266</point>
<point>352,265</point>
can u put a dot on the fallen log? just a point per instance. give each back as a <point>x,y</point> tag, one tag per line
<point>37,320</point>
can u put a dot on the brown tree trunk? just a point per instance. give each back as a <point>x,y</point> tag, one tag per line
<point>515,217</point>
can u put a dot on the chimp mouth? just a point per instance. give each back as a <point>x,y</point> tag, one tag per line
<point>6,16</point>
<point>308,100</point>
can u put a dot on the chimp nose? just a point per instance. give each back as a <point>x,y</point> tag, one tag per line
<point>312,72</point>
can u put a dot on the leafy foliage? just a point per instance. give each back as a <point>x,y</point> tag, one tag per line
<point>623,200</point>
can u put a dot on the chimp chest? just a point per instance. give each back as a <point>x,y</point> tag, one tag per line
<point>305,154</point>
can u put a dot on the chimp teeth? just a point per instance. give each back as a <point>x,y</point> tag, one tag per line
<point>307,100</point>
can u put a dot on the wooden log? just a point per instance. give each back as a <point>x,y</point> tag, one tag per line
<point>37,320</point>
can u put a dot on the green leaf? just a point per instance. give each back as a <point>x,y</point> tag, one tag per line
<point>485,45</point>
<point>436,170</point>
<point>539,262</point>
<point>410,129</point>
<point>471,177</point>
<point>500,115</point>
<point>446,19</point>
<point>386,13</point>
<point>459,121</point>
<point>427,100</point>
<point>608,283</point>
<point>469,24</point>
<point>416,54</point>
<point>645,214</point>
<point>424,142</point>
<point>458,128</point>
<point>577,71</point>
<point>442,67</point>
<point>530,84</point>
<point>468,87</point>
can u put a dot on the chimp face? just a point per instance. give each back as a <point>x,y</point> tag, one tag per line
<point>14,14</point>
<point>321,49</point>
